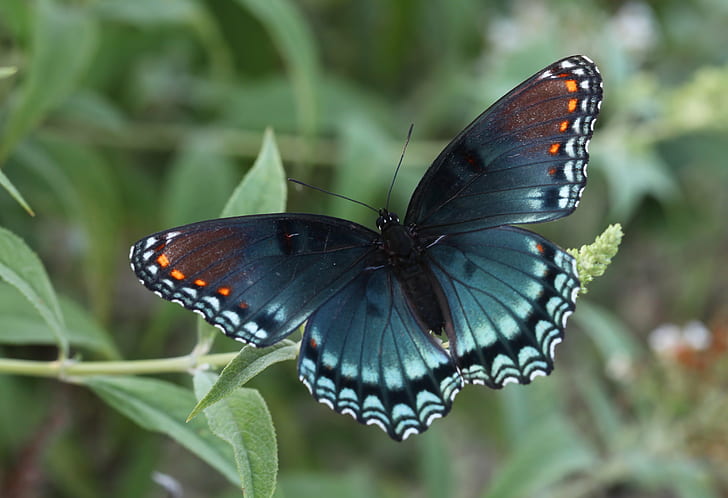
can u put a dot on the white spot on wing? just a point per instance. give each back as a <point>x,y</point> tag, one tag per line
<point>254,329</point>
<point>150,242</point>
<point>233,317</point>
<point>537,373</point>
<point>552,350</point>
<point>349,411</point>
<point>376,421</point>
<point>410,431</point>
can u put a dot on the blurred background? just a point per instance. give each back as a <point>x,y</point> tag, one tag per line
<point>119,118</point>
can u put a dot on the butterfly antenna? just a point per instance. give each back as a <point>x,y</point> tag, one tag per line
<point>399,165</point>
<point>293,180</point>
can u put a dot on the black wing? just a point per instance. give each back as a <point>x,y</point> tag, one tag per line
<point>521,161</point>
<point>255,277</point>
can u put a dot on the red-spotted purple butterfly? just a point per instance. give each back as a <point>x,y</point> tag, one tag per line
<point>377,303</point>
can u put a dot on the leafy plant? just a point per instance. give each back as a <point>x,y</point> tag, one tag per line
<point>122,117</point>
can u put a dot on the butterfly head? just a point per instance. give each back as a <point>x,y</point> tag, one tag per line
<point>386,219</point>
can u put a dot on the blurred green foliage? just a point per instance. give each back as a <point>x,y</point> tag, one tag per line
<point>119,118</point>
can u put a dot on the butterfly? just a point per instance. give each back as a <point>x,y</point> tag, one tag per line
<point>398,320</point>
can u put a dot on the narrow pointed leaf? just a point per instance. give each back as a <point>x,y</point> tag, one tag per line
<point>246,365</point>
<point>263,189</point>
<point>22,324</point>
<point>14,192</point>
<point>21,268</point>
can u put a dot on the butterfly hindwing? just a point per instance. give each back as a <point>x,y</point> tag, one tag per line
<point>521,161</point>
<point>364,354</point>
<point>254,277</point>
<point>510,292</point>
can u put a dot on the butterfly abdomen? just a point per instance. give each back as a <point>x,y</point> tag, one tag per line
<point>419,285</point>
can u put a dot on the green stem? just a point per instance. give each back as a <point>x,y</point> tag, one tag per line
<point>232,141</point>
<point>66,370</point>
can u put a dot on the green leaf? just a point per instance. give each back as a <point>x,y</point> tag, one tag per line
<point>64,39</point>
<point>243,420</point>
<point>287,27</point>
<point>7,71</point>
<point>22,269</point>
<point>264,188</point>
<point>246,365</point>
<point>161,407</point>
<point>14,192</point>
<point>23,325</point>
<point>549,452</point>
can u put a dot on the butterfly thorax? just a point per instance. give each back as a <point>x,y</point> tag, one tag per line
<point>405,257</point>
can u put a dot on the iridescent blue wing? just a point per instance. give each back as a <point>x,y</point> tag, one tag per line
<point>364,354</point>
<point>510,292</point>
<point>255,277</point>
<point>521,161</point>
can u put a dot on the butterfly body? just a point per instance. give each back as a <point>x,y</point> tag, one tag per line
<point>405,257</point>
<point>375,304</point>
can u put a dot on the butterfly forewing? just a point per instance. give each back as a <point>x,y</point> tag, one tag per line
<point>522,161</point>
<point>254,277</point>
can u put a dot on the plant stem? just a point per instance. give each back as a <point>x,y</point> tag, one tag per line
<point>234,142</point>
<point>66,370</point>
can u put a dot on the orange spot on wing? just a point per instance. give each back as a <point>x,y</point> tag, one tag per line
<point>177,274</point>
<point>160,247</point>
<point>163,260</point>
<point>243,305</point>
<point>554,149</point>
<point>539,248</point>
<point>571,86</point>
<point>552,171</point>
<point>200,282</point>
<point>224,291</point>
<point>572,104</point>
<point>313,343</point>
<point>563,126</point>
